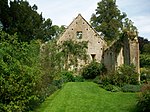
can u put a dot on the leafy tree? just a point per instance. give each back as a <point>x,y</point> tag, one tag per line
<point>108,19</point>
<point>145,60</point>
<point>19,73</point>
<point>24,20</point>
<point>142,42</point>
<point>47,31</point>
<point>146,48</point>
<point>19,16</point>
<point>4,13</point>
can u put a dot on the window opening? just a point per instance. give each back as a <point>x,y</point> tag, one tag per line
<point>93,56</point>
<point>79,35</point>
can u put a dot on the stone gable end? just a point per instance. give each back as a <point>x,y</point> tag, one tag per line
<point>80,30</point>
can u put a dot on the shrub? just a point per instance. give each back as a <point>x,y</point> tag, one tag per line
<point>19,73</point>
<point>127,75</point>
<point>131,88</point>
<point>78,78</point>
<point>67,76</point>
<point>143,104</point>
<point>92,70</point>
<point>111,88</point>
<point>124,75</point>
<point>145,75</point>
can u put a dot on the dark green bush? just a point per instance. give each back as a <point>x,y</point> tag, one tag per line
<point>92,70</point>
<point>67,76</point>
<point>124,75</point>
<point>143,104</point>
<point>111,88</point>
<point>78,78</point>
<point>131,88</point>
<point>145,60</point>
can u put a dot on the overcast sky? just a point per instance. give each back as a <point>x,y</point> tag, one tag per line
<point>62,12</point>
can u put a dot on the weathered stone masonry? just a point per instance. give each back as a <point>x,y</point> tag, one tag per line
<point>111,56</point>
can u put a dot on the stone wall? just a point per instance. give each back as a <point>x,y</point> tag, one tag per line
<point>119,52</point>
<point>80,30</point>
<point>122,52</point>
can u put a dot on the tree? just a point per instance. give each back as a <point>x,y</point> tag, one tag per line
<point>25,20</point>
<point>142,42</point>
<point>4,13</point>
<point>47,31</point>
<point>108,19</point>
<point>19,16</point>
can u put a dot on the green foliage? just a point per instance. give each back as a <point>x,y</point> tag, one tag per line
<point>67,76</point>
<point>129,30</point>
<point>71,52</point>
<point>78,78</point>
<point>20,17</point>
<point>108,19</point>
<point>52,61</point>
<point>130,75</point>
<point>131,88</point>
<point>92,70</point>
<point>47,31</point>
<point>124,75</point>
<point>19,73</point>
<point>145,75</point>
<point>111,88</point>
<point>143,104</point>
<point>143,45</point>
<point>146,48</point>
<point>145,60</point>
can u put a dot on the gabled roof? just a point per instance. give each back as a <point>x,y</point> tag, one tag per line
<point>80,16</point>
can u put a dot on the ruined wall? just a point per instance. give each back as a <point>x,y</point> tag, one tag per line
<point>122,52</point>
<point>134,53</point>
<point>119,52</point>
<point>113,56</point>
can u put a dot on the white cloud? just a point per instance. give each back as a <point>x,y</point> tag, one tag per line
<point>62,12</point>
<point>143,25</point>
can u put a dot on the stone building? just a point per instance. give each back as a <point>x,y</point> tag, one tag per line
<point>112,56</point>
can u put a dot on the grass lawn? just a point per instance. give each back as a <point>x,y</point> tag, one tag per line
<point>88,97</point>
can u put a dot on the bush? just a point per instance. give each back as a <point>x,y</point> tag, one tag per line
<point>124,75</point>
<point>67,76</point>
<point>131,88</point>
<point>145,75</point>
<point>111,88</point>
<point>19,73</point>
<point>143,104</point>
<point>78,78</point>
<point>92,70</point>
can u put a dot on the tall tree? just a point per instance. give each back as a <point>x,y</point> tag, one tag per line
<point>4,13</point>
<point>108,19</point>
<point>25,20</point>
<point>20,17</point>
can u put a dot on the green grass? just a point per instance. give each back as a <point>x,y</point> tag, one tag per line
<point>88,97</point>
